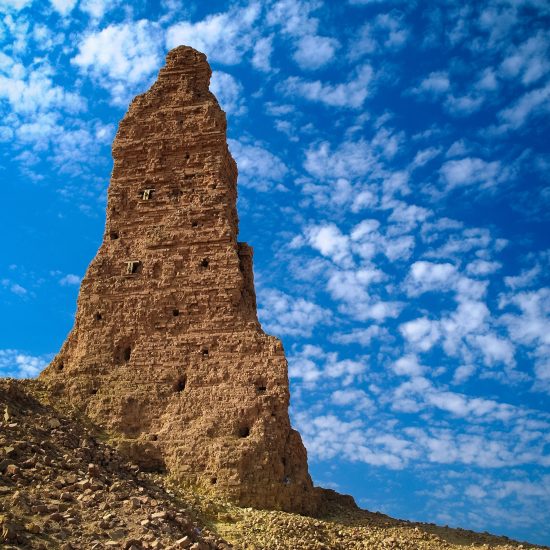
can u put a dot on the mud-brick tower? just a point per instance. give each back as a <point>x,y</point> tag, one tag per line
<point>167,352</point>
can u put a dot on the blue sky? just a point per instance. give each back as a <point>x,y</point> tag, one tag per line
<point>394,183</point>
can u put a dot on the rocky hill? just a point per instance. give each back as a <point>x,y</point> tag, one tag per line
<point>63,485</point>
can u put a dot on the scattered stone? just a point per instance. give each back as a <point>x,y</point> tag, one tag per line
<point>53,423</point>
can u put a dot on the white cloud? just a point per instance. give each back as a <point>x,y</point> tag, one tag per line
<point>408,365</point>
<point>386,33</point>
<point>96,9</point>
<point>471,171</point>
<point>223,37</point>
<point>363,337</point>
<point>495,349</point>
<point>14,287</point>
<point>421,333</point>
<point>293,16</point>
<point>428,276</point>
<point>351,94</point>
<point>524,279</point>
<point>63,7</point>
<point>229,92</point>
<point>282,314</point>
<point>351,159</point>
<point>258,168</point>
<point>529,60</point>
<point>533,103</point>
<point>31,92</point>
<point>528,324</point>
<point>482,267</point>
<point>121,58</point>
<point>315,51</point>
<point>356,399</point>
<point>15,5</point>
<point>312,364</point>
<point>70,280</point>
<point>263,48</point>
<point>330,242</point>
<point>435,83</point>
<point>16,364</point>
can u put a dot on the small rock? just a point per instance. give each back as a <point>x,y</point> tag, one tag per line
<point>12,470</point>
<point>5,463</point>
<point>53,423</point>
<point>93,470</point>
<point>117,534</point>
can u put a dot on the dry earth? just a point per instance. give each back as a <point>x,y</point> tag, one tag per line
<point>63,485</point>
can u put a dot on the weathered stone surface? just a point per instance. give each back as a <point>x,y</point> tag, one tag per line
<point>167,350</point>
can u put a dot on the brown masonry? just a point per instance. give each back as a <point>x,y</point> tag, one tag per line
<point>166,350</point>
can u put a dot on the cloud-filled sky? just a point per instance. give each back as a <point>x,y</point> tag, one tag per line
<point>394,183</point>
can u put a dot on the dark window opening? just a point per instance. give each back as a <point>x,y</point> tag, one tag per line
<point>113,235</point>
<point>187,155</point>
<point>93,391</point>
<point>244,431</point>
<point>175,312</point>
<point>132,267</point>
<point>213,480</point>
<point>204,263</point>
<point>179,384</point>
<point>261,389</point>
<point>60,366</point>
<point>98,316</point>
<point>205,352</point>
<point>153,437</point>
<point>126,353</point>
<point>194,224</point>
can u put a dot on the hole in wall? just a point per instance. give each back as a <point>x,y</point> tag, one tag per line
<point>113,235</point>
<point>204,351</point>
<point>60,366</point>
<point>261,389</point>
<point>194,224</point>
<point>205,263</point>
<point>132,267</point>
<point>175,312</point>
<point>98,316</point>
<point>213,480</point>
<point>244,431</point>
<point>187,156</point>
<point>122,354</point>
<point>93,391</point>
<point>179,384</point>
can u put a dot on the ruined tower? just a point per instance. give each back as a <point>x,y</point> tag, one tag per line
<point>166,351</point>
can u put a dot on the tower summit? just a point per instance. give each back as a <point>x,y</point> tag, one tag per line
<point>166,351</point>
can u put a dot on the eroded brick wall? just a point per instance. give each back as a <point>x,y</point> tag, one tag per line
<point>166,350</point>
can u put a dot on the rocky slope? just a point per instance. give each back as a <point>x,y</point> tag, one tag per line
<point>63,485</point>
